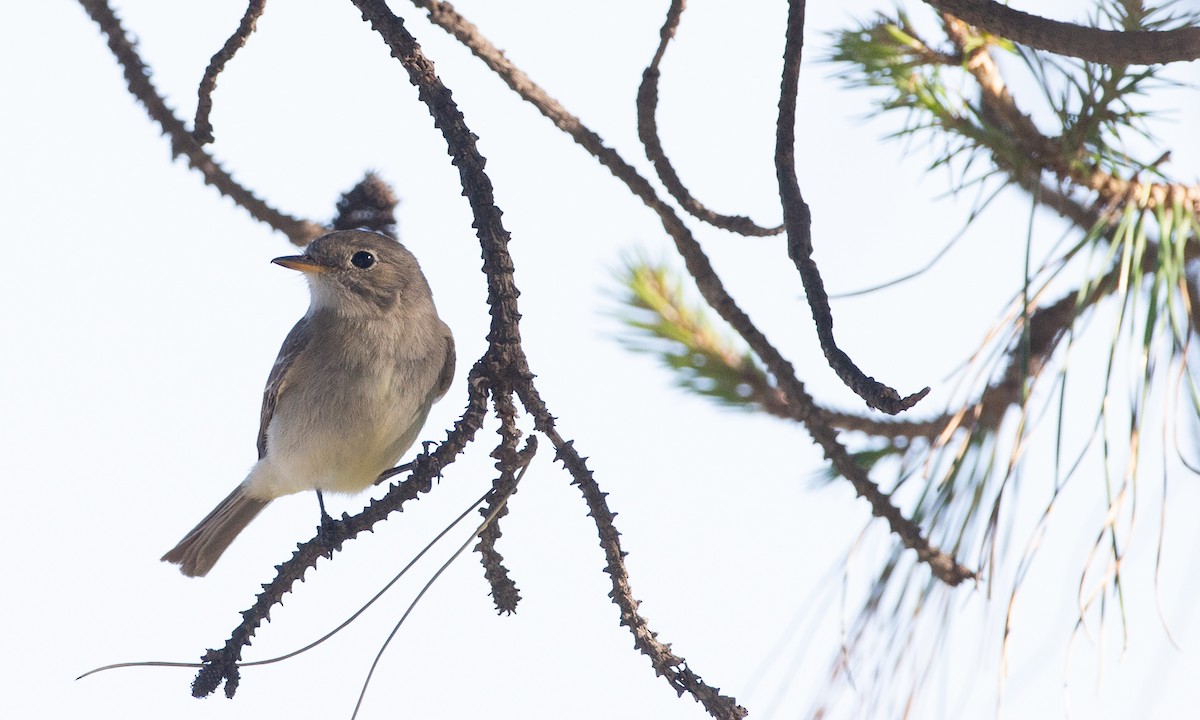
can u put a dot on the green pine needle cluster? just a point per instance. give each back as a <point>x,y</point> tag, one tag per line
<point>683,337</point>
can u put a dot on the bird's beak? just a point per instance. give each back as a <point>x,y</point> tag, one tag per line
<point>303,263</point>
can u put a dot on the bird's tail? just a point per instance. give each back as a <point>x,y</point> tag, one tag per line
<point>200,549</point>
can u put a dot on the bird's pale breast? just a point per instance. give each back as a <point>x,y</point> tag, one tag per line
<point>338,434</point>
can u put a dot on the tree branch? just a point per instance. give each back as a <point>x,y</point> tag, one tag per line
<point>798,219</point>
<point>1110,47</point>
<point>647,107</point>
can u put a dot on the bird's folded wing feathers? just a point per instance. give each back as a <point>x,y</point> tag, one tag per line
<point>447,375</point>
<point>293,345</point>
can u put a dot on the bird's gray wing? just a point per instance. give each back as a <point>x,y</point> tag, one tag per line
<point>446,376</point>
<point>293,345</point>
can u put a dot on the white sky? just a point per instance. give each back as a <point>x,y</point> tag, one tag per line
<point>141,316</point>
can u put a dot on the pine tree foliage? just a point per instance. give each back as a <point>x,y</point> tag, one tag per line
<point>1078,140</point>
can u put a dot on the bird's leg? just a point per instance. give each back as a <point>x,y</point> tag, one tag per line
<point>325,530</point>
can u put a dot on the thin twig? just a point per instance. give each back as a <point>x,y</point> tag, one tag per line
<point>647,108</point>
<point>202,127</point>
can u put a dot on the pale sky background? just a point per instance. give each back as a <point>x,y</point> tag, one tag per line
<point>141,315</point>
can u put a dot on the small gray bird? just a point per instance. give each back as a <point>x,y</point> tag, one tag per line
<point>351,387</point>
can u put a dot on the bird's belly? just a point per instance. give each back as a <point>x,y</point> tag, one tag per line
<point>341,437</point>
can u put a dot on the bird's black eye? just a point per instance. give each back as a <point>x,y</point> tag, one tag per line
<point>362,259</point>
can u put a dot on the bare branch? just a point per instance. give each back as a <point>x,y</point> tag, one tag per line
<point>1111,47</point>
<point>647,107</point>
<point>798,219</point>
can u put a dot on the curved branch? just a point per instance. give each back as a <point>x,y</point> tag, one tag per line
<point>647,107</point>
<point>1111,47</point>
<point>202,128</point>
<point>799,230</point>
<point>709,283</point>
<point>137,77</point>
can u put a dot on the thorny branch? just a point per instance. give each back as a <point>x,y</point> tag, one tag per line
<point>647,107</point>
<point>666,663</point>
<point>137,77</point>
<point>371,204</point>
<point>803,408</point>
<point>508,461</point>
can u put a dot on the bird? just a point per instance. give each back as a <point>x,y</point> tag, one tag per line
<point>350,390</point>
